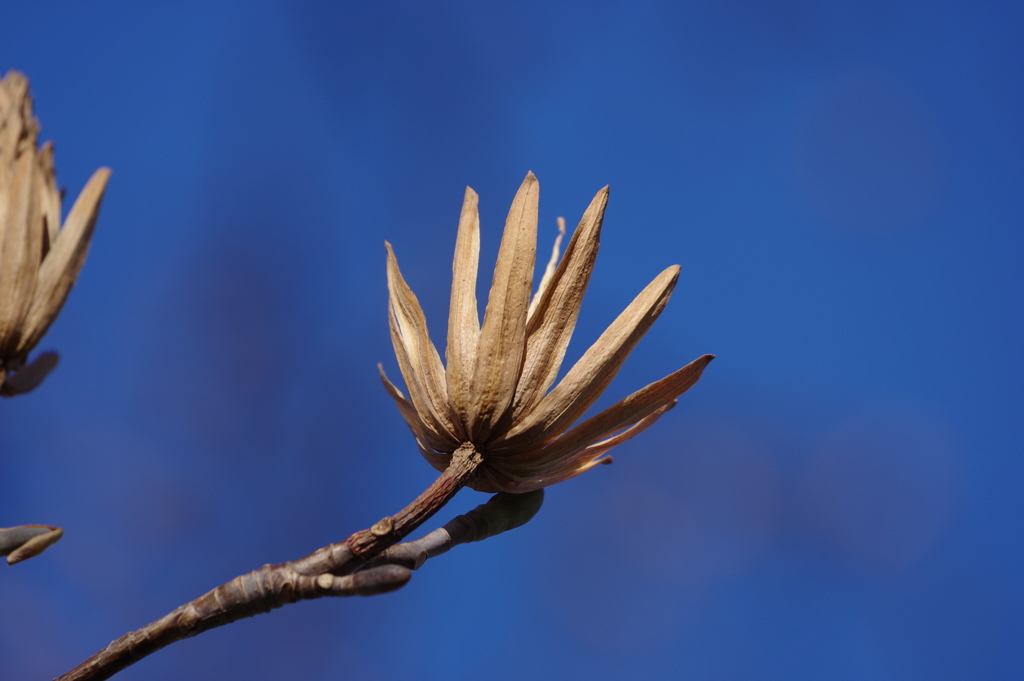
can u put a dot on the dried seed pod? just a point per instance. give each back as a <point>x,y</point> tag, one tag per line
<point>39,258</point>
<point>496,393</point>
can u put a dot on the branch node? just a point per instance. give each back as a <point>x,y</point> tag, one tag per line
<point>188,620</point>
<point>383,527</point>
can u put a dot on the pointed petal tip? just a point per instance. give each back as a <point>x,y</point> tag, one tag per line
<point>666,280</point>
<point>530,181</point>
<point>672,273</point>
<point>701,363</point>
<point>98,183</point>
<point>391,266</point>
<point>704,361</point>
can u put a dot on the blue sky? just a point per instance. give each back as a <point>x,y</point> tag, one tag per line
<point>841,183</point>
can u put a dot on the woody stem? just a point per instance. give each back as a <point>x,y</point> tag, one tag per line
<point>346,557</point>
<point>325,572</point>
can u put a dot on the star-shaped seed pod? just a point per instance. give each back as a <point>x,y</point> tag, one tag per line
<point>493,397</point>
<point>39,259</point>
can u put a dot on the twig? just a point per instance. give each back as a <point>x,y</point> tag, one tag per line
<point>321,573</point>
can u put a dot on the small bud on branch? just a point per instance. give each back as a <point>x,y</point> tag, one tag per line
<point>25,541</point>
<point>503,512</point>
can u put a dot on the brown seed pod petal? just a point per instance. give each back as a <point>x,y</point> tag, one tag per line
<point>20,252</point>
<point>409,330</point>
<point>49,196</point>
<point>549,271</point>
<point>463,318</point>
<point>593,372</point>
<point>559,456</point>
<point>554,318</point>
<point>64,261</point>
<point>428,442</point>
<point>502,338</point>
<point>623,413</point>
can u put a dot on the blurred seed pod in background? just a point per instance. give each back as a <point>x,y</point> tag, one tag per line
<point>39,258</point>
